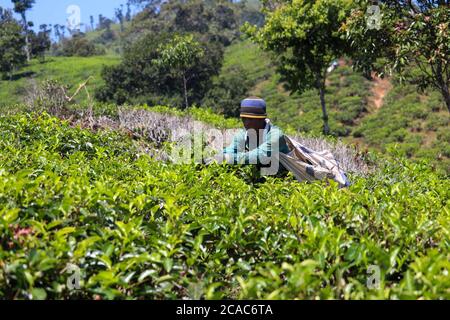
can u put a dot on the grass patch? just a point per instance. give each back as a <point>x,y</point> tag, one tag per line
<point>70,71</point>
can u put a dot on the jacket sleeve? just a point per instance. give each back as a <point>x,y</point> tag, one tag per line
<point>237,145</point>
<point>263,153</point>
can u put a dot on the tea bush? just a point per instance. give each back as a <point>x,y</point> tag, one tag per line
<point>417,123</point>
<point>142,229</point>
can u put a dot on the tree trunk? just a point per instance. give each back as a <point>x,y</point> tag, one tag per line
<point>27,46</point>
<point>443,84</point>
<point>185,92</point>
<point>446,94</point>
<point>12,70</point>
<point>321,88</point>
<point>27,40</point>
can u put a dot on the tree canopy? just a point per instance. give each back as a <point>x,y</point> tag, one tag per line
<point>138,79</point>
<point>410,33</point>
<point>21,7</point>
<point>305,38</point>
<point>12,42</point>
<point>179,56</point>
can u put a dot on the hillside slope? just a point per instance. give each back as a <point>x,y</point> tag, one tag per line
<point>70,71</point>
<point>414,124</point>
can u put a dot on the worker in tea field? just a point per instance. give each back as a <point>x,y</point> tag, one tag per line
<point>273,153</point>
<point>258,144</point>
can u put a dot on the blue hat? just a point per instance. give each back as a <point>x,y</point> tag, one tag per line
<point>255,108</point>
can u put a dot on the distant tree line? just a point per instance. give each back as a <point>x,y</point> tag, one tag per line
<point>18,42</point>
<point>12,42</point>
<point>173,49</point>
<point>174,54</point>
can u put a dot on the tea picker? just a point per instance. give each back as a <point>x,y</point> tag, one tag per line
<point>261,143</point>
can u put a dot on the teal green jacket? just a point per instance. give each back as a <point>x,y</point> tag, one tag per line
<point>241,152</point>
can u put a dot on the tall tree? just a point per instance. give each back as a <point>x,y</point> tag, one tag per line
<point>305,36</point>
<point>120,17</point>
<point>128,14</point>
<point>40,42</point>
<point>104,23</point>
<point>100,22</point>
<point>21,7</point>
<point>91,18</point>
<point>180,55</point>
<point>57,30</point>
<point>137,80</point>
<point>63,31</point>
<point>12,41</point>
<point>406,33</point>
<point>153,5</point>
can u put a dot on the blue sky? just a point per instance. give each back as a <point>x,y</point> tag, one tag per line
<point>54,11</point>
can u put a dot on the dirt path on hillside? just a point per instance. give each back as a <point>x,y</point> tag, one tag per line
<point>380,89</point>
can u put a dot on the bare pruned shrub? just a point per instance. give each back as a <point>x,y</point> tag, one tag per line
<point>148,125</point>
<point>49,96</point>
<point>159,128</point>
<point>53,97</point>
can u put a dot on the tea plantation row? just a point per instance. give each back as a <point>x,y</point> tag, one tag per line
<point>141,229</point>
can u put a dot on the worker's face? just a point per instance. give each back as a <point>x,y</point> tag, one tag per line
<point>255,124</point>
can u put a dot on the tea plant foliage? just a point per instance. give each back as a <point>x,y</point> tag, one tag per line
<point>139,228</point>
